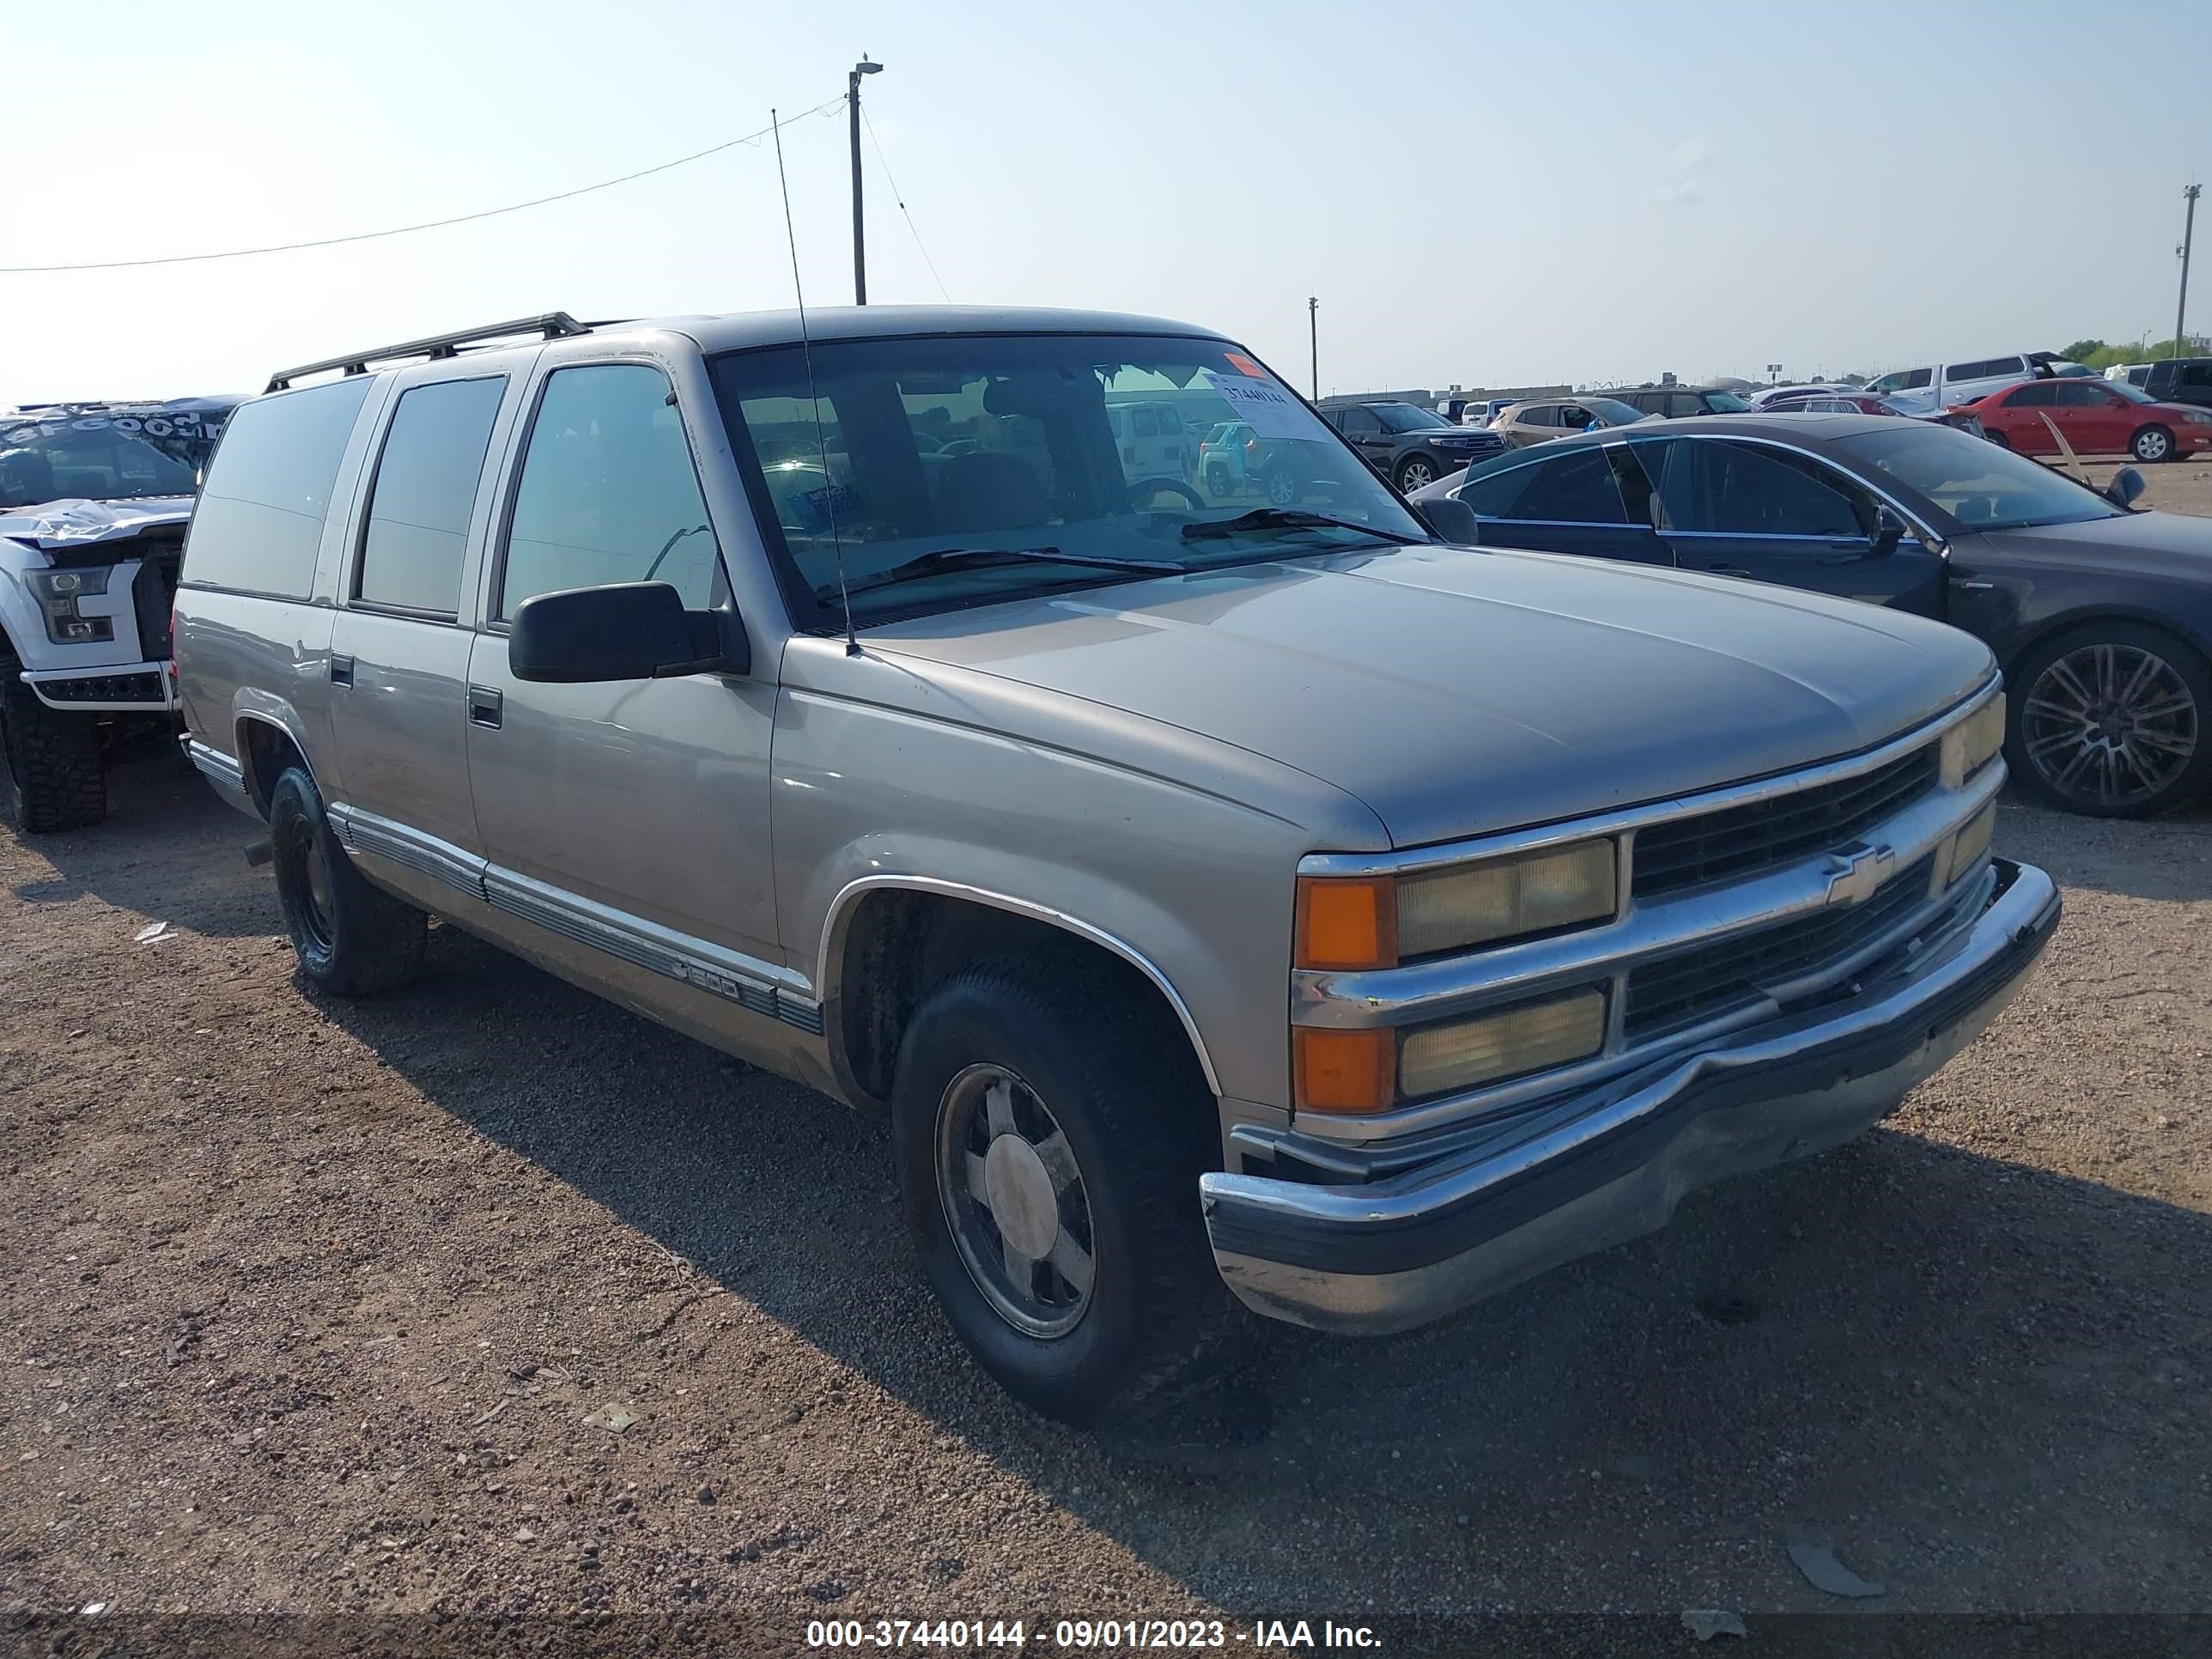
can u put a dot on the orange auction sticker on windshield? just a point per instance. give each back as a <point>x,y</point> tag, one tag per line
<point>1244,365</point>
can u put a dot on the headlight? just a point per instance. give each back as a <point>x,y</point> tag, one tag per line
<point>1379,921</point>
<point>1972,844</point>
<point>58,592</point>
<point>2200,420</point>
<point>1442,1060</point>
<point>1375,1068</point>
<point>1973,743</point>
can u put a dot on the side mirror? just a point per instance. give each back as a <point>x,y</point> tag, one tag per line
<point>2127,484</point>
<point>1452,520</point>
<point>624,631</point>
<point>1888,531</point>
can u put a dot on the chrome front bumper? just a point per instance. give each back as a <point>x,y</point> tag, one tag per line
<point>1609,1164</point>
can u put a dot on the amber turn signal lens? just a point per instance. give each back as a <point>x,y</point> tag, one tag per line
<point>1346,923</point>
<point>1344,1071</point>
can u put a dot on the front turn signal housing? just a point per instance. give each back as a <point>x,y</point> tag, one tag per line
<point>1346,923</point>
<point>1346,1072</point>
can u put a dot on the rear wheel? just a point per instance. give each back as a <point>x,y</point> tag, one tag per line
<point>1283,487</point>
<point>352,939</point>
<point>2110,722</point>
<point>52,776</point>
<point>1049,1142</point>
<point>1996,438</point>
<point>2153,443</point>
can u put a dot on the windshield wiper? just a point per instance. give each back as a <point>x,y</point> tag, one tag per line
<point>958,558</point>
<point>1290,518</point>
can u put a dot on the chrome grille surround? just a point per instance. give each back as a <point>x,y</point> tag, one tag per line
<point>1689,962</point>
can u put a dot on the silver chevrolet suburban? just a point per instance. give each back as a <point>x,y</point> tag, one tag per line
<point>1271,894</point>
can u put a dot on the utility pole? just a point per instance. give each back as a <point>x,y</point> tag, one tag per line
<point>1313,341</point>
<point>852,109</point>
<point>2188,235</point>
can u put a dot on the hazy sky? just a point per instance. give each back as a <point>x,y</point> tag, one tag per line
<point>1477,193</point>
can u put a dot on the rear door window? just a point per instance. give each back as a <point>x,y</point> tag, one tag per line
<point>258,526</point>
<point>424,495</point>
<point>2041,395</point>
<point>1718,488</point>
<point>1574,488</point>
<point>608,492</point>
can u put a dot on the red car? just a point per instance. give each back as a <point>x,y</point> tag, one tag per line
<point>2097,418</point>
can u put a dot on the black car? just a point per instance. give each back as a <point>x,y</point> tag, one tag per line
<point>2181,380</point>
<point>1674,402</point>
<point>1408,444</point>
<point>2100,615</point>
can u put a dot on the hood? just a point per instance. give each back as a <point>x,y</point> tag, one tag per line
<point>1460,691</point>
<point>2131,543</point>
<point>61,528</point>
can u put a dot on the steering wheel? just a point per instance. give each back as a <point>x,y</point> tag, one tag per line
<point>1144,489</point>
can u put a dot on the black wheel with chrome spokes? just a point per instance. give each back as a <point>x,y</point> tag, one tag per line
<point>2110,721</point>
<point>1014,1200</point>
<point>1050,1125</point>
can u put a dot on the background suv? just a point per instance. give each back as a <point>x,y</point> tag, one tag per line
<point>1546,418</point>
<point>2178,380</point>
<point>1673,402</point>
<point>1408,444</point>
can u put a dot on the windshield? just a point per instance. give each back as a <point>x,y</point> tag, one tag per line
<point>1027,461</point>
<point>1613,410</point>
<point>1978,483</point>
<point>1408,417</point>
<point>1726,402</point>
<point>104,454</point>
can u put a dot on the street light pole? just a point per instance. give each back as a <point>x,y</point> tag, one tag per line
<point>2188,235</point>
<point>852,109</point>
<point>1313,341</point>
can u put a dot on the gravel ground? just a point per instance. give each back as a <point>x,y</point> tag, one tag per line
<point>489,1297</point>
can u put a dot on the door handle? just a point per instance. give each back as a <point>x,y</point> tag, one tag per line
<point>341,670</point>
<point>485,707</point>
<point>1728,570</point>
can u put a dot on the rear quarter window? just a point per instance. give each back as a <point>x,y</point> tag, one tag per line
<point>258,526</point>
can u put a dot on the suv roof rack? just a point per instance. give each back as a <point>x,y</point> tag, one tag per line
<point>553,325</point>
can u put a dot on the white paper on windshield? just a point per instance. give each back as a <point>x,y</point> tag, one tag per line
<point>1269,411</point>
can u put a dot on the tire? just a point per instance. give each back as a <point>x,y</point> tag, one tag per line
<point>1996,438</point>
<point>2112,720</point>
<point>2153,444</point>
<point>1071,1046</point>
<point>1282,486</point>
<point>352,939</point>
<point>1218,481</point>
<point>1415,472</point>
<point>51,777</point>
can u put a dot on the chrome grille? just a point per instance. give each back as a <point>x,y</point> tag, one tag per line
<point>1743,840</point>
<point>1707,981</point>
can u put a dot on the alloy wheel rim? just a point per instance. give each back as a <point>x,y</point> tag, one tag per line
<point>2109,724</point>
<point>1281,490</point>
<point>1417,475</point>
<point>1014,1202</point>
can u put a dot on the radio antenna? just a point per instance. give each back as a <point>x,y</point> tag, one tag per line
<point>806,352</point>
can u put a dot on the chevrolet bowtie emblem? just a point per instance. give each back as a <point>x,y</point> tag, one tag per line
<point>1857,873</point>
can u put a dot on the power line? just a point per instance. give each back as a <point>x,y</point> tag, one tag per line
<point>899,197</point>
<point>834,104</point>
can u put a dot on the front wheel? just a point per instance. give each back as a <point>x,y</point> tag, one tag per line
<point>2153,443</point>
<point>1049,1144</point>
<point>2110,722</point>
<point>52,776</point>
<point>1415,472</point>
<point>1283,487</point>
<point>352,939</point>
